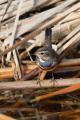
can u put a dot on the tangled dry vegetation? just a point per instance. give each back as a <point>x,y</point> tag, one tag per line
<point>28,92</point>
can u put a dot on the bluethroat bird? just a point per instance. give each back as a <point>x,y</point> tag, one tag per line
<point>46,56</point>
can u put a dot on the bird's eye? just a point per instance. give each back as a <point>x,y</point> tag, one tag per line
<point>42,53</point>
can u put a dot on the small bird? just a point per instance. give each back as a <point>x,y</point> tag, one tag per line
<point>46,56</point>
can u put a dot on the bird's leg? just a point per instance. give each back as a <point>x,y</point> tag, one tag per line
<point>53,79</point>
<point>38,80</point>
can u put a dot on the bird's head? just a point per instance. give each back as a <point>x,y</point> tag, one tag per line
<point>43,54</point>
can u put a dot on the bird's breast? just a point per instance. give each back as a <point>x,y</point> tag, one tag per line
<point>46,63</point>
